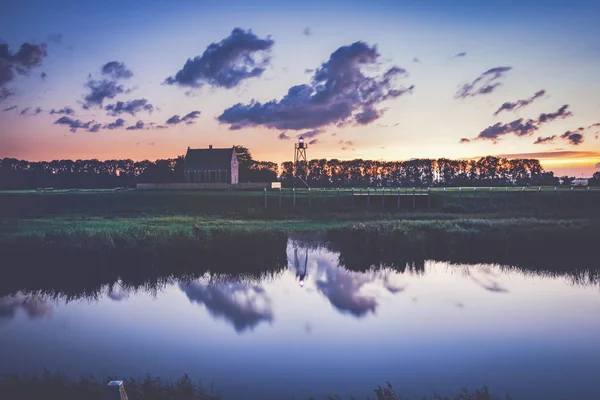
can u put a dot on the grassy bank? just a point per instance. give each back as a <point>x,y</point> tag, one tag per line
<point>58,386</point>
<point>71,261</point>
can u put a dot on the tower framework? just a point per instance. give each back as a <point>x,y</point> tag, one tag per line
<point>300,162</point>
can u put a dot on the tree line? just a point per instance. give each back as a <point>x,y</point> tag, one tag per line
<point>487,171</point>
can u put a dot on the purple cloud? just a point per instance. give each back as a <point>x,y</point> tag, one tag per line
<point>129,107</point>
<point>339,92</point>
<point>574,138</point>
<point>64,110</point>
<point>28,56</point>
<point>188,118</point>
<point>283,136</point>
<point>510,106</point>
<point>240,56</point>
<point>118,123</point>
<point>116,70</point>
<point>73,124</point>
<point>545,140</point>
<point>100,91</point>
<point>522,127</point>
<point>138,126</point>
<point>483,84</point>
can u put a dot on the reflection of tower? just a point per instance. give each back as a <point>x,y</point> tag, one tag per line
<point>300,273</point>
<point>300,162</point>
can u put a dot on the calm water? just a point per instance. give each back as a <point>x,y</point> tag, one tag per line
<point>317,329</point>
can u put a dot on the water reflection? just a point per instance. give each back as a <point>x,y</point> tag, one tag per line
<point>117,292</point>
<point>483,276</point>
<point>351,292</point>
<point>301,270</point>
<point>243,305</point>
<point>34,306</point>
<point>515,328</point>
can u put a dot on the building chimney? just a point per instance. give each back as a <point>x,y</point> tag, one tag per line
<point>210,146</point>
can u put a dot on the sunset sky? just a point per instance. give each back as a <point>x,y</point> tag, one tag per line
<point>377,79</point>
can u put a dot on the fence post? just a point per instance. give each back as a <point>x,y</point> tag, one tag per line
<point>280,198</point>
<point>443,198</point>
<point>490,197</point>
<point>382,197</point>
<point>352,197</point>
<point>115,390</point>
<point>429,198</point>
<point>539,198</point>
<point>265,189</point>
<point>555,196</point>
<point>506,197</point>
<point>368,198</point>
<point>522,196</point>
<point>337,195</point>
<point>309,198</point>
<point>474,200</point>
<point>398,205</point>
<point>414,196</point>
<point>293,197</point>
<point>459,196</point>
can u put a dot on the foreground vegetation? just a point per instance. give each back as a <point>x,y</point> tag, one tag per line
<point>58,386</point>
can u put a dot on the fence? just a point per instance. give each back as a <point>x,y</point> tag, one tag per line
<point>433,199</point>
<point>208,186</point>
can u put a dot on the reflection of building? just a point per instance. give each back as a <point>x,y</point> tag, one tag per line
<point>211,165</point>
<point>300,272</point>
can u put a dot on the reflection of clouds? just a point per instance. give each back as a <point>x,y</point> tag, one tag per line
<point>487,280</point>
<point>117,293</point>
<point>490,285</point>
<point>34,306</point>
<point>350,292</point>
<point>244,306</point>
<point>343,291</point>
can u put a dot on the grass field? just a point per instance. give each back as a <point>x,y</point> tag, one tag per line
<point>304,203</point>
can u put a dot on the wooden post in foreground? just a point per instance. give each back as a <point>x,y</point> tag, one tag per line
<point>115,390</point>
<point>414,197</point>
<point>265,190</point>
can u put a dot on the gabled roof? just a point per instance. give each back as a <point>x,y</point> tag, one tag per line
<point>208,158</point>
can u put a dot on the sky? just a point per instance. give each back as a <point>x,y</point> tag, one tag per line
<point>385,80</point>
